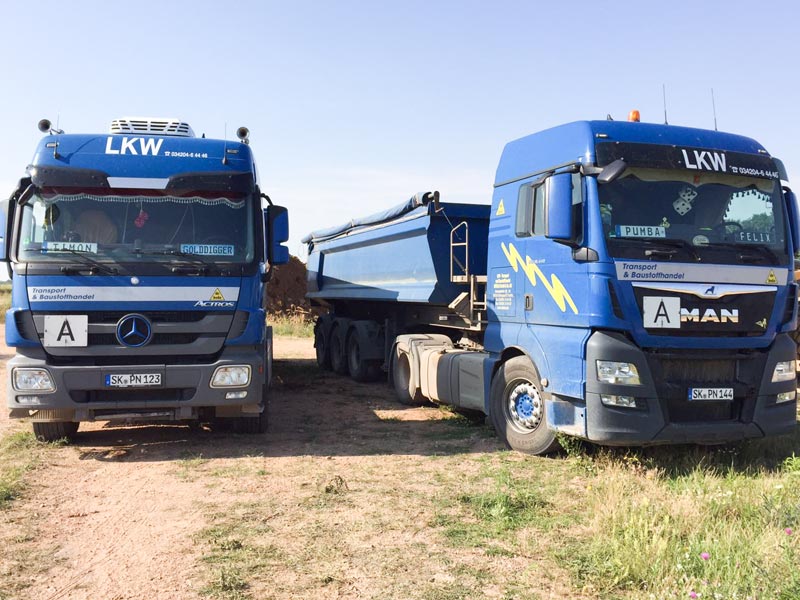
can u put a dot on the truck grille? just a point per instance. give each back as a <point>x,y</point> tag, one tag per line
<point>175,334</point>
<point>674,376</point>
<point>140,395</point>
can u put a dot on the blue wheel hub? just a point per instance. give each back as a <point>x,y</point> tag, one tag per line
<point>525,407</point>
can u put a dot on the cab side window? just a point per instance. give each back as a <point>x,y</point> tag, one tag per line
<point>530,210</point>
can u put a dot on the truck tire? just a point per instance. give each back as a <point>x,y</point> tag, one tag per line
<point>54,431</point>
<point>338,357</point>
<point>322,348</point>
<point>360,369</point>
<point>257,424</point>
<point>401,380</point>
<point>517,408</point>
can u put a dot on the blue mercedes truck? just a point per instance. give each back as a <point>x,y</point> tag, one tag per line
<point>138,262</point>
<point>630,284</point>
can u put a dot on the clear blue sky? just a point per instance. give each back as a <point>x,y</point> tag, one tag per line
<point>354,106</point>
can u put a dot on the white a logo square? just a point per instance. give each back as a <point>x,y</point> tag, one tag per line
<point>661,313</point>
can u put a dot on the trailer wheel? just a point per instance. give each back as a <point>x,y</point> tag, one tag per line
<point>401,379</point>
<point>517,408</point>
<point>338,358</point>
<point>54,431</point>
<point>322,348</point>
<point>360,368</point>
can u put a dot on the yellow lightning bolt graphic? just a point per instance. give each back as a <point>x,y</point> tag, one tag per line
<point>554,287</point>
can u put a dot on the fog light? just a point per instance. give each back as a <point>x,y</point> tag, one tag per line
<point>786,396</point>
<point>231,376</point>
<point>34,400</point>
<point>236,395</point>
<point>784,371</point>
<point>623,373</point>
<point>623,401</point>
<point>33,379</point>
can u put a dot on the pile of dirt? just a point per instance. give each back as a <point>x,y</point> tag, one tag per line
<point>286,290</point>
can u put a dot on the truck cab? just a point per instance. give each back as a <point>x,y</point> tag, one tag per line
<point>138,262</point>
<point>651,287</point>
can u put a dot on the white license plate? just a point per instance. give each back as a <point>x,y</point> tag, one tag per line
<point>711,394</point>
<point>133,379</point>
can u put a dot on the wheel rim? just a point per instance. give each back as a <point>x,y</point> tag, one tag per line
<point>524,407</point>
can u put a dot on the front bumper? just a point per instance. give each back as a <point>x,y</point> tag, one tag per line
<point>81,393</point>
<point>664,415</point>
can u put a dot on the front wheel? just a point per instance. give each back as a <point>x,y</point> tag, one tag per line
<point>256,424</point>
<point>54,431</point>
<point>517,408</point>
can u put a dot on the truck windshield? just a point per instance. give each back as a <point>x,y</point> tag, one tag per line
<point>136,227</point>
<point>686,216</point>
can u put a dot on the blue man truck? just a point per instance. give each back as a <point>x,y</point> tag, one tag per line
<point>630,284</point>
<point>139,261</point>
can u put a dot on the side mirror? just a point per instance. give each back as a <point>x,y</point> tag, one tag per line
<point>276,229</point>
<point>794,218</point>
<point>611,171</point>
<point>558,225</point>
<point>4,220</point>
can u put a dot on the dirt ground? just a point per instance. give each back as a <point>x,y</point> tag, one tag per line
<point>339,499</point>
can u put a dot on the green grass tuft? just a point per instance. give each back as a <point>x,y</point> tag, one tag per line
<point>19,454</point>
<point>296,325</point>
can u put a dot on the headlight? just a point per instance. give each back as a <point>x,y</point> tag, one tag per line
<point>33,379</point>
<point>231,376</point>
<point>617,372</point>
<point>786,396</point>
<point>784,371</point>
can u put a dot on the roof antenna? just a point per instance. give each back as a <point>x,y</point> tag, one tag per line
<point>714,108</point>
<point>664,94</point>
<point>225,146</point>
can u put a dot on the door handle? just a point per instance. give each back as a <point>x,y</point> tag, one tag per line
<point>528,301</point>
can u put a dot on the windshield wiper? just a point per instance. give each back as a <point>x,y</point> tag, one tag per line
<point>94,265</point>
<point>663,246</point>
<point>746,251</point>
<point>195,263</point>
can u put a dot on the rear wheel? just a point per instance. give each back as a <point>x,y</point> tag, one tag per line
<point>360,368</point>
<point>322,348</point>
<point>517,408</point>
<point>338,358</point>
<point>54,431</point>
<point>401,379</point>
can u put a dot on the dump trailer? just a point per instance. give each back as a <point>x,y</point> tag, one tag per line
<point>630,284</point>
<point>138,261</point>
